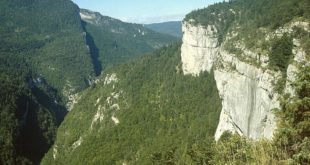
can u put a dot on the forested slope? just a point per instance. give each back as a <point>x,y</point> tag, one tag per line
<point>114,42</point>
<point>42,51</point>
<point>145,111</point>
<point>141,112</point>
<point>250,19</point>
<point>47,55</point>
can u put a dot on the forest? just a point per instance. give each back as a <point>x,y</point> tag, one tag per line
<point>134,105</point>
<point>34,39</point>
<point>163,115</point>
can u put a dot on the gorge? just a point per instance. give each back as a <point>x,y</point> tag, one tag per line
<point>78,87</point>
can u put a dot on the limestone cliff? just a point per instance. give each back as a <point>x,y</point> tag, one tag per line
<point>245,82</point>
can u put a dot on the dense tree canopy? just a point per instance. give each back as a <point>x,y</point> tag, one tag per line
<point>162,115</point>
<point>39,38</point>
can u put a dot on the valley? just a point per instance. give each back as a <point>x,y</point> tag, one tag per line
<point>229,84</point>
<point>48,55</point>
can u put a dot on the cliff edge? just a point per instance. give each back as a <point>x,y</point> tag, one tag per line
<point>246,80</point>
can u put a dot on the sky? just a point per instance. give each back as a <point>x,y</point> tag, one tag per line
<point>145,11</point>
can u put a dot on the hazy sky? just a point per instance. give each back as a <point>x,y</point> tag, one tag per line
<point>145,11</point>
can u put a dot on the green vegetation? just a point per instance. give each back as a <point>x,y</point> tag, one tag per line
<point>43,56</point>
<point>49,36</point>
<point>246,13</point>
<point>304,37</point>
<point>281,53</point>
<point>163,115</point>
<point>280,57</point>
<point>27,127</point>
<point>182,112</point>
<point>250,19</point>
<point>294,127</point>
<point>291,141</point>
<point>289,146</point>
<point>113,42</point>
<point>39,38</point>
<point>252,25</point>
<point>218,15</point>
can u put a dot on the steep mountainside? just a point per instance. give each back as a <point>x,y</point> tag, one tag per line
<point>49,35</point>
<point>244,54</point>
<point>43,58</point>
<point>113,41</point>
<point>47,55</point>
<point>255,50</point>
<point>142,112</point>
<point>242,74</point>
<point>173,28</point>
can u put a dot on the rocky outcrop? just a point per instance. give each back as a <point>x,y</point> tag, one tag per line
<point>198,43</point>
<point>247,100</point>
<point>246,89</point>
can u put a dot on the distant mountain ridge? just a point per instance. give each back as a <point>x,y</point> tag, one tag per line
<point>173,28</point>
<point>115,42</point>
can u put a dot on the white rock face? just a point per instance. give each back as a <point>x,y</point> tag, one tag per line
<point>73,97</point>
<point>85,16</point>
<point>90,17</point>
<point>197,44</point>
<point>115,120</point>
<point>77,143</point>
<point>110,78</point>
<point>246,91</point>
<point>107,108</point>
<point>247,101</point>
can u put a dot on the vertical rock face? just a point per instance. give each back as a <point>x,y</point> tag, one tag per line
<point>245,87</point>
<point>246,90</point>
<point>247,100</point>
<point>197,44</point>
